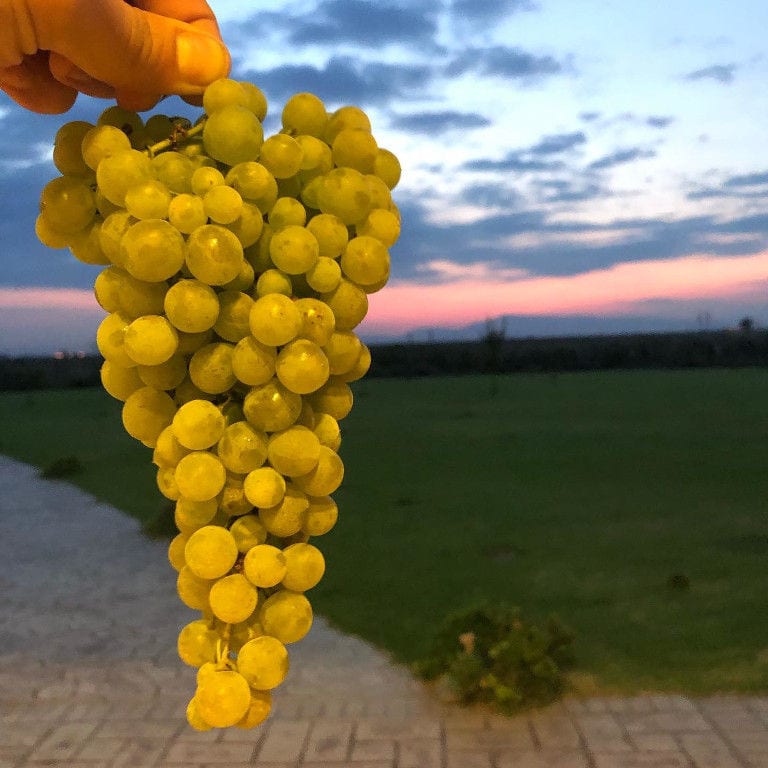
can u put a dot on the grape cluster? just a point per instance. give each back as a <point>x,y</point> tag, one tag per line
<point>236,269</point>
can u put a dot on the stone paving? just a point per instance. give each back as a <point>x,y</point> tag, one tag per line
<point>89,677</point>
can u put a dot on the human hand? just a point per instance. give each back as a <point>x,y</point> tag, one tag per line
<point>133,51</point>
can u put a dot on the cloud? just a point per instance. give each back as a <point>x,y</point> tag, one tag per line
<point>571,192</point>
<point>619,157</point>
<point>487,291</point>
<point>439,122</point>
<point>484,11</point>
<point>503,62</point>
<point>560,142</point>
<point>514,161</point>
<point>589,117</point>
<point>658,121</point>
<point>344,80</point>
<point>362,23</point>
<point>747,180</point>
<point>490,196</point>
<point>723,73</point>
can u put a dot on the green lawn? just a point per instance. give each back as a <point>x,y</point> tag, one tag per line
<point>580,494</point>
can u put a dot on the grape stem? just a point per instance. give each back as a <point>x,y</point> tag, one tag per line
<point>179,135</point>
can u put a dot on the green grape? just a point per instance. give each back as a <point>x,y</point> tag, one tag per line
<point>127,121</point>
<point>326,476</point>
<point>191,306</point>
<point>232,323</point>
<point>281,155</point>
<point>111,234</point>
<point>167,375</point>
<point>67,149</point>
<point>345,193</point>
<point>284,519</point>
<point>200,476</point>
<point>342,350</point>
<point>248,532</point>
<point>232,499</point>
<point>214,254</point>
<point>244,281</point>
<point>274,319</point>
<point>248,226</point>
<point>223,204</point>
<point>110,339</point>
<point>233,598</point>
<point>334,398</point>
<point>198,424</point>
<point>271,406</point>
<point>302,366</point>
<point>189,343</point>
<point>310,193</point>
<point>210,368</point>
<point>158,128</point>
<point>152,250</point>
<point>117,173</point>
<point>258,712</point>
<point>210,552</point>
<point>101,142</point>
<point>168,450</point>
<point>345,117</point>
<point>233,134</point>
<point>381,224</point>
<point>223,698</point>
<point>193,515</point>
<point>174,170</point>
<point>166,484</point>
<point>116,290</point>
<point>118,381</point>
<point>293,249</point>
<point>146,413</point>
<point>286,615</point>
<point>257,102</point>
<point>305,566</point>
<point>50,236</point>
<point>274,281</point>
<point>355,148</point>
<point>293,451</point>
<point>264,487</point>
<point>148,199</point>
<point>304,113</point>
<point>325,276</point>
<point>242,448</point>
<point>316,159</point>
<point>317,320</point>
<point>253,363</point>
<point>327,430</point>
<point>255,183</point>
<point>205,178</point>
<point>193,590</point>
<point>197,643</point>
<point>68,204</point>
<point>224,93</point>
<point>320,516</point>
<point>349,304</point>
<point>258,253</point>
<point>360,368</point>
<point>186,212</point>
<point>285,211</point>
<point>176,551</point>
<point>379,192</point>
<point>85,245</point>
<point>263,662</point>
<point>194,718</point>
<point>150,340</point>
<point>264,566</point>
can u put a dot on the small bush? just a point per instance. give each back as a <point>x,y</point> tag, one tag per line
<point>489,654</point>
<point>66,466</point>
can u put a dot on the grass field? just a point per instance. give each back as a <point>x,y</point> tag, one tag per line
<point>595,496</point>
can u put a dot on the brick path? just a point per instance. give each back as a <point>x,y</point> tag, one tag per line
<point>89,677</point>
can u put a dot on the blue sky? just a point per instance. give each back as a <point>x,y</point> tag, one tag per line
<point>577,166</point>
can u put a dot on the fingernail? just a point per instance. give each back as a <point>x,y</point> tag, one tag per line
<point>201,59</point>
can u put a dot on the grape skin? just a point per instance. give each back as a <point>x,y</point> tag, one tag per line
<point>235,270</point>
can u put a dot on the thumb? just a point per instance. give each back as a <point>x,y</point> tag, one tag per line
<point>133,50</point>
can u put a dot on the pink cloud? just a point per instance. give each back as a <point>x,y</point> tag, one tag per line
<point>476,296</point>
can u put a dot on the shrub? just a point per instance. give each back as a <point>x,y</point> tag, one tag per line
<point>490,654</point>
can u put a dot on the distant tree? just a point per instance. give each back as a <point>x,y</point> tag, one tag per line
<point>746,324</point>
<point>495,335</point>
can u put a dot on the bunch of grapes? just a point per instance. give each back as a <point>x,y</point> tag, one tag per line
<point>235,270</point>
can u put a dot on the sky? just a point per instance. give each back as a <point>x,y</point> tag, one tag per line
<point>598,166</point>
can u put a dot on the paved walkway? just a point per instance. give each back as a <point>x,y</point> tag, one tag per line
<point>89,677</point>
